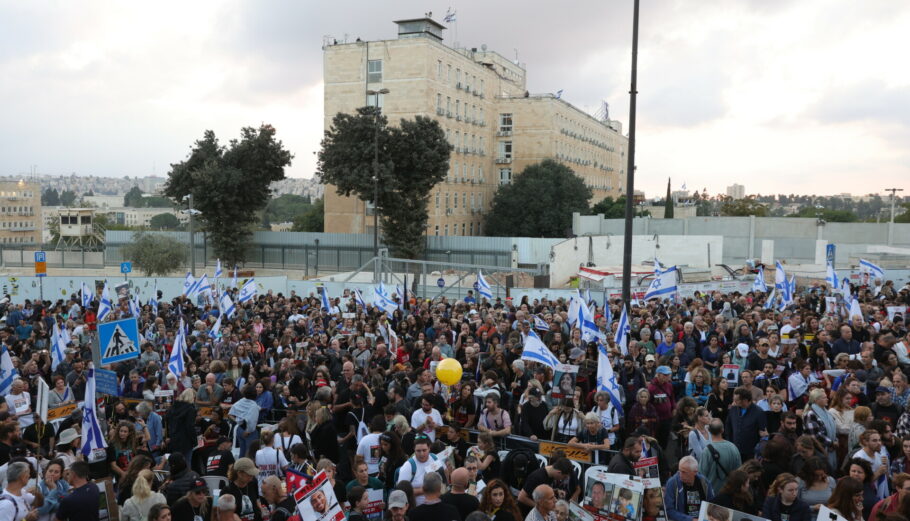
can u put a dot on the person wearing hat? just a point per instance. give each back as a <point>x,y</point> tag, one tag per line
<point>245,489</point>
<point>884,407</point>
<point>664,402</point>
<point>67,446</point>
<point>196,505</point>
<point>398,505</point>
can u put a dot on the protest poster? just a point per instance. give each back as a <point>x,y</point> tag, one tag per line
<point>60,412</point>
<point>830,306</point>
<point>163,399</point>
<point>316,500</point>
<point>646,468</point>
<point>612,497</point>
<point>652,503</point>
<point>713,512</point>
<point>826,514</point>
<point>578,513</point>
<point>376,505</point>
<point>730,372</point>
<point>893,311</point>
<point>564,381</point>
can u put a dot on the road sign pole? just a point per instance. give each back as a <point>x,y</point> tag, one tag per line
<point>41,289</point>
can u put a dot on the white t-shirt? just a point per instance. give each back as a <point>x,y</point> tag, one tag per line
<point>285,444</point>
<point>371,451</point>
<point>17,509</point>
<point>419,417</point>
<point>416,480</point>
<point>19,403</point>
<point>271,462</point>
<point>881,484</point>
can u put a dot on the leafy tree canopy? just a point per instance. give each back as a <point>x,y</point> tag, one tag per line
<point>743,207</point>
<point>230,185</point>
<point>50,197</point>
<point>412,158</point>
<point>286,207</point>
<point>538,203</point>
<point>155,254</point>
<point>615,209</point>
<point>834,216</point>
<point>164,221</point>
<point>313,220</point>
<point>67,198</point>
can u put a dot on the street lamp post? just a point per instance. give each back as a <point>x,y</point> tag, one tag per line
<point>376,93</point>
<point>630,168</point>
<point>192,229</point>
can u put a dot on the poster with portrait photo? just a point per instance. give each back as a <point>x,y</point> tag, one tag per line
<point>164,398</point>
<point>578,513</point>
<point>646,468</point>
<point>730,373</point>
<point>316,500</point>
<point>564,378</point>
<point>612,497</point>
<point>713,512</point>
<point>652,500</point>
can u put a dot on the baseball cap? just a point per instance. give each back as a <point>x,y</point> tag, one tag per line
<point>246,466</point>
<point>534,391</point>
<point>398,499</point>
<point>199,485</point>
<point>650,358</point>
<point>881,389</point>
<point>743,350</point>
<point>664,370</point>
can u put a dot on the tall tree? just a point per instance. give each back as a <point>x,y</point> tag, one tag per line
<point>230,185</point>
<point>668,204</point>
<point>615,209</point>
<point>164,221</point>
<point>133,198</point>
<point>312,220</point>
<point>50,197</point>
<point>412,158</point>
<point>538,203</point>
<point>743,207</point>
<point>155,254</point>
<point>67,198</point>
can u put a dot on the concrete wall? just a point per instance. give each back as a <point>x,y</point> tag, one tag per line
<point>794,238</point>
<point>602,250</point>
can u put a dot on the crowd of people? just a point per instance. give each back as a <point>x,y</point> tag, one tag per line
<point>774,413</point>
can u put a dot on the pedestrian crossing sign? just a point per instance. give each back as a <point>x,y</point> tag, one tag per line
<point>118,340</point>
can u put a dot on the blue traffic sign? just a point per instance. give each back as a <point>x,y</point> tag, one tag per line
<point>126,267</point>
<point>441,282</point>
<point>118,340</point>
<point>40,256</point>
<point>106,382</point>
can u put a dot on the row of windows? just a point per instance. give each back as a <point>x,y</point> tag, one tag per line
<point>17,224</point>
<point>476,200</point>
<point>470,113</point>
<point>17,193</point>
<point>444,74</point>
<point>476,173</point>
<point>465,145</point>
<point>17,209</point>
<point>22,240</point>
<point>465,230</point>
<point>74,219</point>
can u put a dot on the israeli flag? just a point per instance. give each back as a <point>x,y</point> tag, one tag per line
<point>759,283</point>
<point>58,344</point>
<point>831,278</point>
<point>218,271</point>
<point>234,280</point>
<point>135,308</point>
<point>106,307</point>
<point>92,434</point>
<point>623,329</point>
<point>227,305</point>
<point>483,288</point>
<point>326,303</point>
<point>358,298</point>
<point>189,283</point>
<point>658,267</point>
<point>153,301</point>
<point>855,309</point>
<point>449,17</point>
<point>7,371</point>
<point>792,289</point>
<point>248,291</point>
<point>383,302</point>
<point>664,283</point>
<point>86,296</point>
<point>872,269</point>
<point>178,352</point>
<point>606,378</point>
<point>574,312</point>
<point>845,287</point>
<point>202,285</point>
<point>769,302</point>
<point>215,332</point>
<point>540,323</point>
<point>589,330</point>
<point>400,297</point>
<point>535,351</point>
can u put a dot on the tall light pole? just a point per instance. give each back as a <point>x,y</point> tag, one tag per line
<point>376,93</point>
<point>630,168</point>
<point>192,212</point>
<point>894,192</point>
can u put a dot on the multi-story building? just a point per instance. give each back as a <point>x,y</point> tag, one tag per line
<point>736,191</point>
<point>20,213</point>
<point>481,101</point>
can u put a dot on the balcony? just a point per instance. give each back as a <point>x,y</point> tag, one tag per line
<point>503,160</point>
<point>448,114</point>
<point>458,85</point>
<point>440,112</point>
<point>457,117</point>
<point>503,133</point>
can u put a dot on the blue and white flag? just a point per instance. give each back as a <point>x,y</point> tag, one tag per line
<point>202,285</point>
<point>536,351</point>
<point>589,330</point>
<point>855,309</point>
<point>483,288</point>
<point>845,289</point>
<point>663,285</point>
<point>658,267</point>
<point>450,16</point>
<point>218,271</point>
<point>215,332</point>
<point>234,280</point>
<point>358,298</point>
<point>86,296</point>
<point>135,308</point>
<point>769,302</point>
<point>831,278</point>
<point>189,283</point>
<point>400,297</point>
<point>606,378</point>
<point>178,352</point>
<point>153,301</point>
<point>759,283</point>
<point>92,434</point>
<point>792,288</point>
<point>623,329</point>
<point>872,269</point>
<point>58,346</point>
<point>324,297</point>
<point>227,305</point>
<point>382,301</point>
<point>248,291</point>
<point>7,371</point>
<point>559,94</point>
<point>105,307</point>
<point>574,312</point>
<point>540,323</point>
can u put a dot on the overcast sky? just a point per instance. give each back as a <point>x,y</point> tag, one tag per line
<point>808,96</point>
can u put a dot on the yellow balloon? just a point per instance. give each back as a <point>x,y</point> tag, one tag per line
<point>449,371</point>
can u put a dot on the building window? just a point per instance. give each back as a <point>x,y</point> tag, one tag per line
<point>463,228</point>
<point>374,71</point>
<point>448,104</point>
<point>458,77</point>
<point>371,100</point>
<point>505,122</point>
<point>438,101</point>
<point>505,149</point>
<point>472,228</point>
<point>505,176</point>
<point>457,107</point>
<point>437,229</point>
<point>447,205</point>
<point>446,230</point>
<point>438,75</point>
<point>455,201</point>
<point>437,199</point>
<point>464,201</point>
<point>449,75</point>
<point>473,206</point>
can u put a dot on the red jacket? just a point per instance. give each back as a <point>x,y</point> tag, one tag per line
<point>662,398</point>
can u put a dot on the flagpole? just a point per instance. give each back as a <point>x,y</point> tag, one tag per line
<point>630,167</point>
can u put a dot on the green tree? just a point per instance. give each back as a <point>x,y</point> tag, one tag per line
<point>668,204</point>
<point>313,220</point>
<point>834,216</point>
<point>230,185</point>
<point>742,207</point>
<point>538,203</point>
<point>67,198</point>
<point>133,198</point>
<point>164,221</point>
<point>901,217</point>
<point>155,201</point>
<point>50,197</point>
<point>615,209</point>
<point>285,208</point>
<point>412,158</point>
<point>155,254</point>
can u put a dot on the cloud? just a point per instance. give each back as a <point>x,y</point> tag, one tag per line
<point>871,100</point>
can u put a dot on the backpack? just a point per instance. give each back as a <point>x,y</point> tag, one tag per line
<point>517,465</point>
<point>413,463</point>
<point>7,497</point>
<point>361,430</point>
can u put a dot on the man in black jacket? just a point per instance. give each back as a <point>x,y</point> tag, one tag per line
<point>533,413</point>
<point>746,423</point>
<point>181,478</point>
<point>623,462</point>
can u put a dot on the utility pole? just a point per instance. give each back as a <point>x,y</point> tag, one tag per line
<point>630,169</point>
<point>189,199</point>
<point>891,224</point>
<point>378,112</point>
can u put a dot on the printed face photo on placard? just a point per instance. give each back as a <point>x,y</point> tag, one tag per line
<point>713,512</point>
<point>564,381</point>
<point>597,495</point>
<point>612,497</point>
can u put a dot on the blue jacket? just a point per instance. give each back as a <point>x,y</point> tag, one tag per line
<point>156,431</point>
<point>675,499</point>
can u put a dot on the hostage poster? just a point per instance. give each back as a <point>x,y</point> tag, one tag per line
<point>612,497</point>
<point>564,381</point>
<point>652,502</point>
<point>316,500</point>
